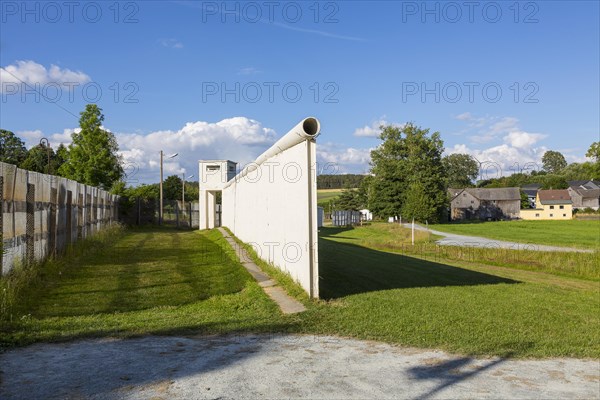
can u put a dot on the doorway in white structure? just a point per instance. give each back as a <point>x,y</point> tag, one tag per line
<point>214,174</point>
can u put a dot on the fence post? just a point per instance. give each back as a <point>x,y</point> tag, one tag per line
<point>138,202</point>
<point>1,224</point>
<point>30,224</point>
<point>52,222</point>
<point>69,217</point>
<point>80,216</point>
<point>88,214</point>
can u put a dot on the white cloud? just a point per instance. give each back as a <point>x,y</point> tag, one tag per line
<point>64,137</point>
<point>504,159</point>
<point>171,43</point>
<point>466,116</point>
<point>248,71</point>
<point>504,125</point>
<point>520,150</point>
<point>481,139</point>
<point>32,73</point>
<point>31,138</point>
<point>373,130</point>
<point>520,139</point>
<point>486,129</point>
<point>239,139</point>
<point>337,159</point>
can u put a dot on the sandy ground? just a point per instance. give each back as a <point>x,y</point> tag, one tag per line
<point>280,366</point>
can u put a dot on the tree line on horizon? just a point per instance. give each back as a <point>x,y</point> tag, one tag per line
<point>92,159</point>
<point>409,176</point>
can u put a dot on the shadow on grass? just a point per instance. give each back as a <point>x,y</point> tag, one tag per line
<point>147,268</point>
<point>346,269</point>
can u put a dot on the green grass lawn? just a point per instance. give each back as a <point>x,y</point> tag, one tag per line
<point>458,306</point>
<point>325,195</point>
<point>374,285</point>
<point>146,281</point>
<point>568,233</point>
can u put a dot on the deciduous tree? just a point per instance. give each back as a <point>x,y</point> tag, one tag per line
<point>553,161</point>
<point>12,148</point>
<point>93,157</point>
<point>461,170</point>
<point>37,159</point>
<point>172,188</point>
<point>408,166</point>
<point>594,152</point>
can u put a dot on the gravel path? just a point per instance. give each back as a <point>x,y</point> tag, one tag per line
<point>280,366</point>
<point>452,239</point>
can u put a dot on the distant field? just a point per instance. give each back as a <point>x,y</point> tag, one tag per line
<point>570,233</point>
<point>324,195</point>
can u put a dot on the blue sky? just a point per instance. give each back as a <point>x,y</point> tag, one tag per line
<point>161,68</point>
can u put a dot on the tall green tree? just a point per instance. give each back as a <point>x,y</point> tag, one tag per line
<point>93,157</point>
<point>408,171</point>
<point>350,199</point>
<point>192,191</point>
<point>553,162</point>
<point>12,148</point>
<point>60,157</point>
<point>524,201</point>
<point>37,159</point>
<point>172,188</point>
<point>594,152</point>
<point>419,204</point>
<point>461,170</point>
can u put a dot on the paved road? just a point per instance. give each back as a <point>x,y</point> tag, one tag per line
<point>278,366</point>
<point>452,239</point>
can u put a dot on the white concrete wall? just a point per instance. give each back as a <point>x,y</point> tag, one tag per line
<point>274,208</point>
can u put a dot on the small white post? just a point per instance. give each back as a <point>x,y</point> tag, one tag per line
<point>413,231</point>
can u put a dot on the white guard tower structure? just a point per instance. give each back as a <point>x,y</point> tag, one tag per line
<point>214,174</point>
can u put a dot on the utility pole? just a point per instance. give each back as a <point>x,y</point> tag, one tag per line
<point>160,211</point>
<point>160,207</point>
<point>183,189</point>
<point>48,150</point>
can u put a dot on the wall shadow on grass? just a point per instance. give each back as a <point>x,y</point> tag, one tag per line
<point>147,268</point>
<point>346,269</point>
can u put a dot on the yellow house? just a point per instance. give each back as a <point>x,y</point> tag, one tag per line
<point>551,204</point>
